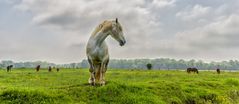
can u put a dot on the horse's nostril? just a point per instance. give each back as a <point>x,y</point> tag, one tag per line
<point>122,43</point>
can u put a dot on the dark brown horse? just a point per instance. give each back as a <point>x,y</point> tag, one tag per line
<point>57,69</point>
<point>195,70</point>
<point>218,71</point>
<point>38,68</point>
<point>49,69</point>
<point>9,68</point>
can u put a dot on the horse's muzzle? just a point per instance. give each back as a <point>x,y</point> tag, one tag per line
<point>122,42</point>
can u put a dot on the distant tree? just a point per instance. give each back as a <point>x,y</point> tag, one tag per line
<point>159,63</point>
<point>149,66</point>
<point>84,63</point>
<point>73,65</point>
<point>6,63</point>
<point>1,65</point>
<point>191,63</point>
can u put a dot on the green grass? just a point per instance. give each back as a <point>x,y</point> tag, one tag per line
<point>122,87</point>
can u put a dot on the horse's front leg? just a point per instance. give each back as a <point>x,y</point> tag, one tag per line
<point>92,74</point>
<point>104,69</point>
<point>102,80</point>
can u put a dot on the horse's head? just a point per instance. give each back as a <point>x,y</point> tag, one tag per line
<point>117,32</point>
<point>11,66</point>
<point>112,28</point>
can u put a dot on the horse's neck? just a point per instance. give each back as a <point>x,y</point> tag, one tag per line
<point>99,38</point>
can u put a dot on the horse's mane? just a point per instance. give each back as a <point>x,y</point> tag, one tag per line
<point>104,25</point>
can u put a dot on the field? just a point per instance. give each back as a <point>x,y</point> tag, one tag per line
<point>122,87</point>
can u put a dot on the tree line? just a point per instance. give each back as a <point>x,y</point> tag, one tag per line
<point>159,63</point>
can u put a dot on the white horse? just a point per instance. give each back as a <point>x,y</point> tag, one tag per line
<point>97,50</point>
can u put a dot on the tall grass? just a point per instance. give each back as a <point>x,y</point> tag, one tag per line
<point>122,87</point>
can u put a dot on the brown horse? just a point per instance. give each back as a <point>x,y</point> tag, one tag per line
<point>218,71</point>
<point>57,69</point>
<point>49,69</point>
<point>38,68</point>
<point>9,68</point>
<point>195,70</point>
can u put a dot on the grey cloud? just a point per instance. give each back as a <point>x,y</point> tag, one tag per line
<point>153,28</point>
<point>222,34</point>
<point>195,12</point>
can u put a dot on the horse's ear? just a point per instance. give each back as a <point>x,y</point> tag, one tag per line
<point>116,20</point>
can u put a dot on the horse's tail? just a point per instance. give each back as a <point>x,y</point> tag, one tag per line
<point>97,74</point>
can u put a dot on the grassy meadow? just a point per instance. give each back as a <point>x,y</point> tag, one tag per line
<point>69,86</point>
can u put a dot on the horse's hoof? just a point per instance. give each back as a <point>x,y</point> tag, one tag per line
<point>92,84</point>
<point>102,83</point>
<point>92,81</point>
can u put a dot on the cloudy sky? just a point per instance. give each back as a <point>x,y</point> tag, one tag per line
<point>58,30</point>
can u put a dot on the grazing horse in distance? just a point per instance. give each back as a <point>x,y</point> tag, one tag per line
<point>97,50</point>
<point>38,68</point>
<point>49,69</point>
<point>57,69</point>
<point>195,70</point>
<point>218,71</point>
<point>9,68</point>
<point>189,69</point>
